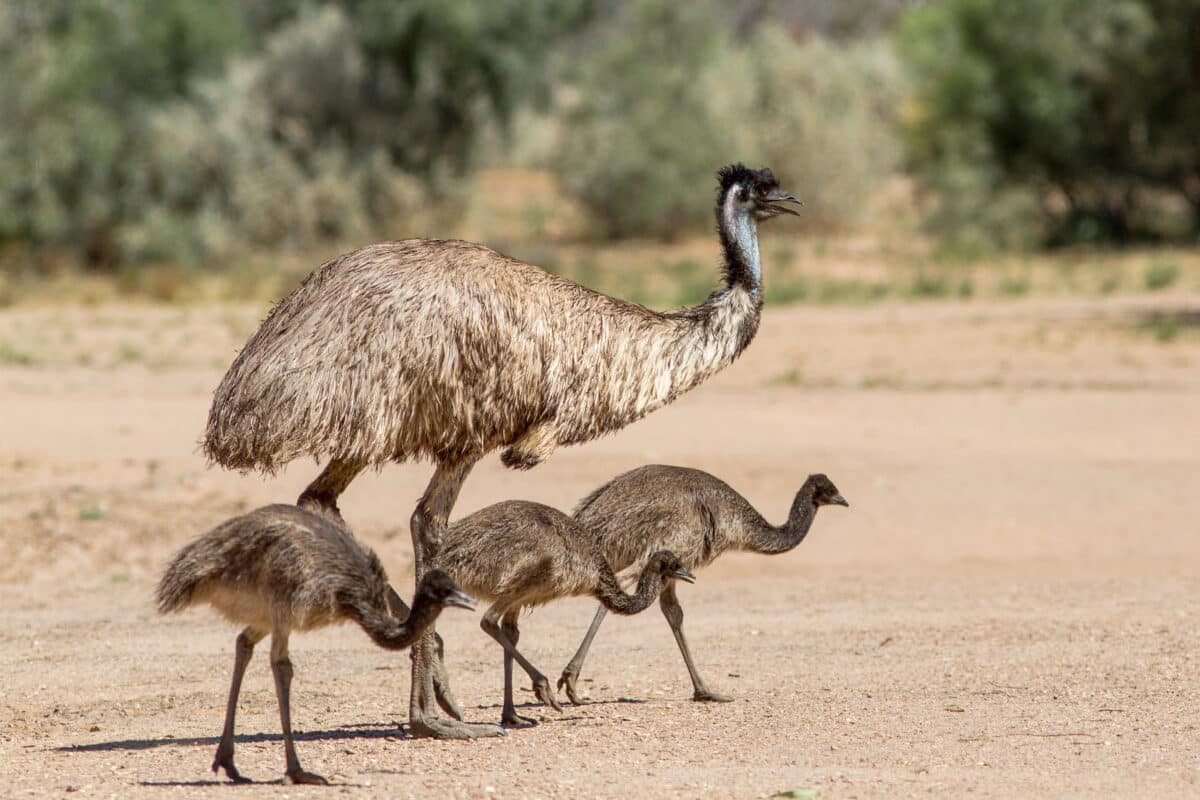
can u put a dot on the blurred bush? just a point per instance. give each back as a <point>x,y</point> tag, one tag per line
<point>251,159</point>
<point>1049,123</point>
<point>77,79</point>
<point>181,130</point>
<point>669,96</point>
<point>639,131</point>
<point>822,116</point>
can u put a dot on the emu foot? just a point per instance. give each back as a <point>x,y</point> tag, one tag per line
<point>442,728</point>
<point>300,776</point>
<point>509,718</point>
<point>566,681</point>
<point>709,696</point>
<point>224,760</point>
<point>543,692</point>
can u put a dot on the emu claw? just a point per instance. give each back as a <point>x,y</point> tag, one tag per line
<point>707,696</point>
<point>442,728</point>
<point>224,760</point>
<point>511,719</point>
<point>541,688</point>
<point>567,681</point>
<point>310,778</point>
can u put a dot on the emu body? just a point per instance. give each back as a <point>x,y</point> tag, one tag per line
<point>694,514</point>
<point>280,569</point>
<point>449,350</point>
<point>518,554</point>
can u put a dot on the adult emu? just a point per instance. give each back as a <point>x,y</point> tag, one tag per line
<point>449,350</point>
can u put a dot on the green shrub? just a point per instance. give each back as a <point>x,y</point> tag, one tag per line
<point>820,114</point>
<point>1160,275</point>
<point>1043,123</point>
<point>667,97</point>
<point>640,141</point>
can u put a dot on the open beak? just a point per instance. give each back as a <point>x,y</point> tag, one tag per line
<point>776,198</point>
<point>838,500</point>
<point>683,574</point>
<point>461,600</point>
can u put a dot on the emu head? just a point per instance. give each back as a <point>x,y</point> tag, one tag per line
<point>668,565</point>
<point>753,192</point>
<point>824,492</point>
<point>440,588</point>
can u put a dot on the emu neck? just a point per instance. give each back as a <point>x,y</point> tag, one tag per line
<point>769,539</point>
<point>610,595</point>
<point>392,635</point>
<point>739,238</point>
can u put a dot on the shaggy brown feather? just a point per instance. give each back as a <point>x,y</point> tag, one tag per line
<point>280,569</point>
<point>446,348</point>
<point>694,514</point>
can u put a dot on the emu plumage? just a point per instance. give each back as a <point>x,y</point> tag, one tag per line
<point>694,514</point>
<point>448,350</point>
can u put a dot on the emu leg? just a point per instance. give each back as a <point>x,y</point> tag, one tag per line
<point>671,609</point>
<point>428,522</point>
<point>541,684</point>
<point>322,494</point>
<point>509,717</point>
<point>441,680</point>
<point>575,666</point>
<point>242,653</point>
<point>281,667</point>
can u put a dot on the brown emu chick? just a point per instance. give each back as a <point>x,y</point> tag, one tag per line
<point>280,569</point>
<point>519,554</point>
<point>695,515</point>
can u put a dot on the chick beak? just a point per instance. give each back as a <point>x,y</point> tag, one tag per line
<point>838,500</point>
<point>461,599</point>
<point>683,574</point>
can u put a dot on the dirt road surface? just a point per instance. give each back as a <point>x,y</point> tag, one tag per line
<point>1009,608</point>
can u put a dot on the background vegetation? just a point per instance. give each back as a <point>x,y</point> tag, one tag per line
<point>199,137</point>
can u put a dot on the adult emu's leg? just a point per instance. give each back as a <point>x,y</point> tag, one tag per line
<point>671,609</point>
<point>441,680</point>
<point>321,496</point>
<point>244,650</point>
<point>574,667</point>
<point>428,522</point>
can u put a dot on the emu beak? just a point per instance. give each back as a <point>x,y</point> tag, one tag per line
<point>780,196</point>
<point>683,574</point>
<point>838,500</point>
<point>461,600</point>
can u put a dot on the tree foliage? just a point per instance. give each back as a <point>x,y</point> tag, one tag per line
<point>667,97</point>
<point>1055,122</point>
<point>176,129</point>
<point>640,136</point>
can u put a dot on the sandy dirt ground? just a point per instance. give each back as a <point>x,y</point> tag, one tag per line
<point>1008,609</point>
